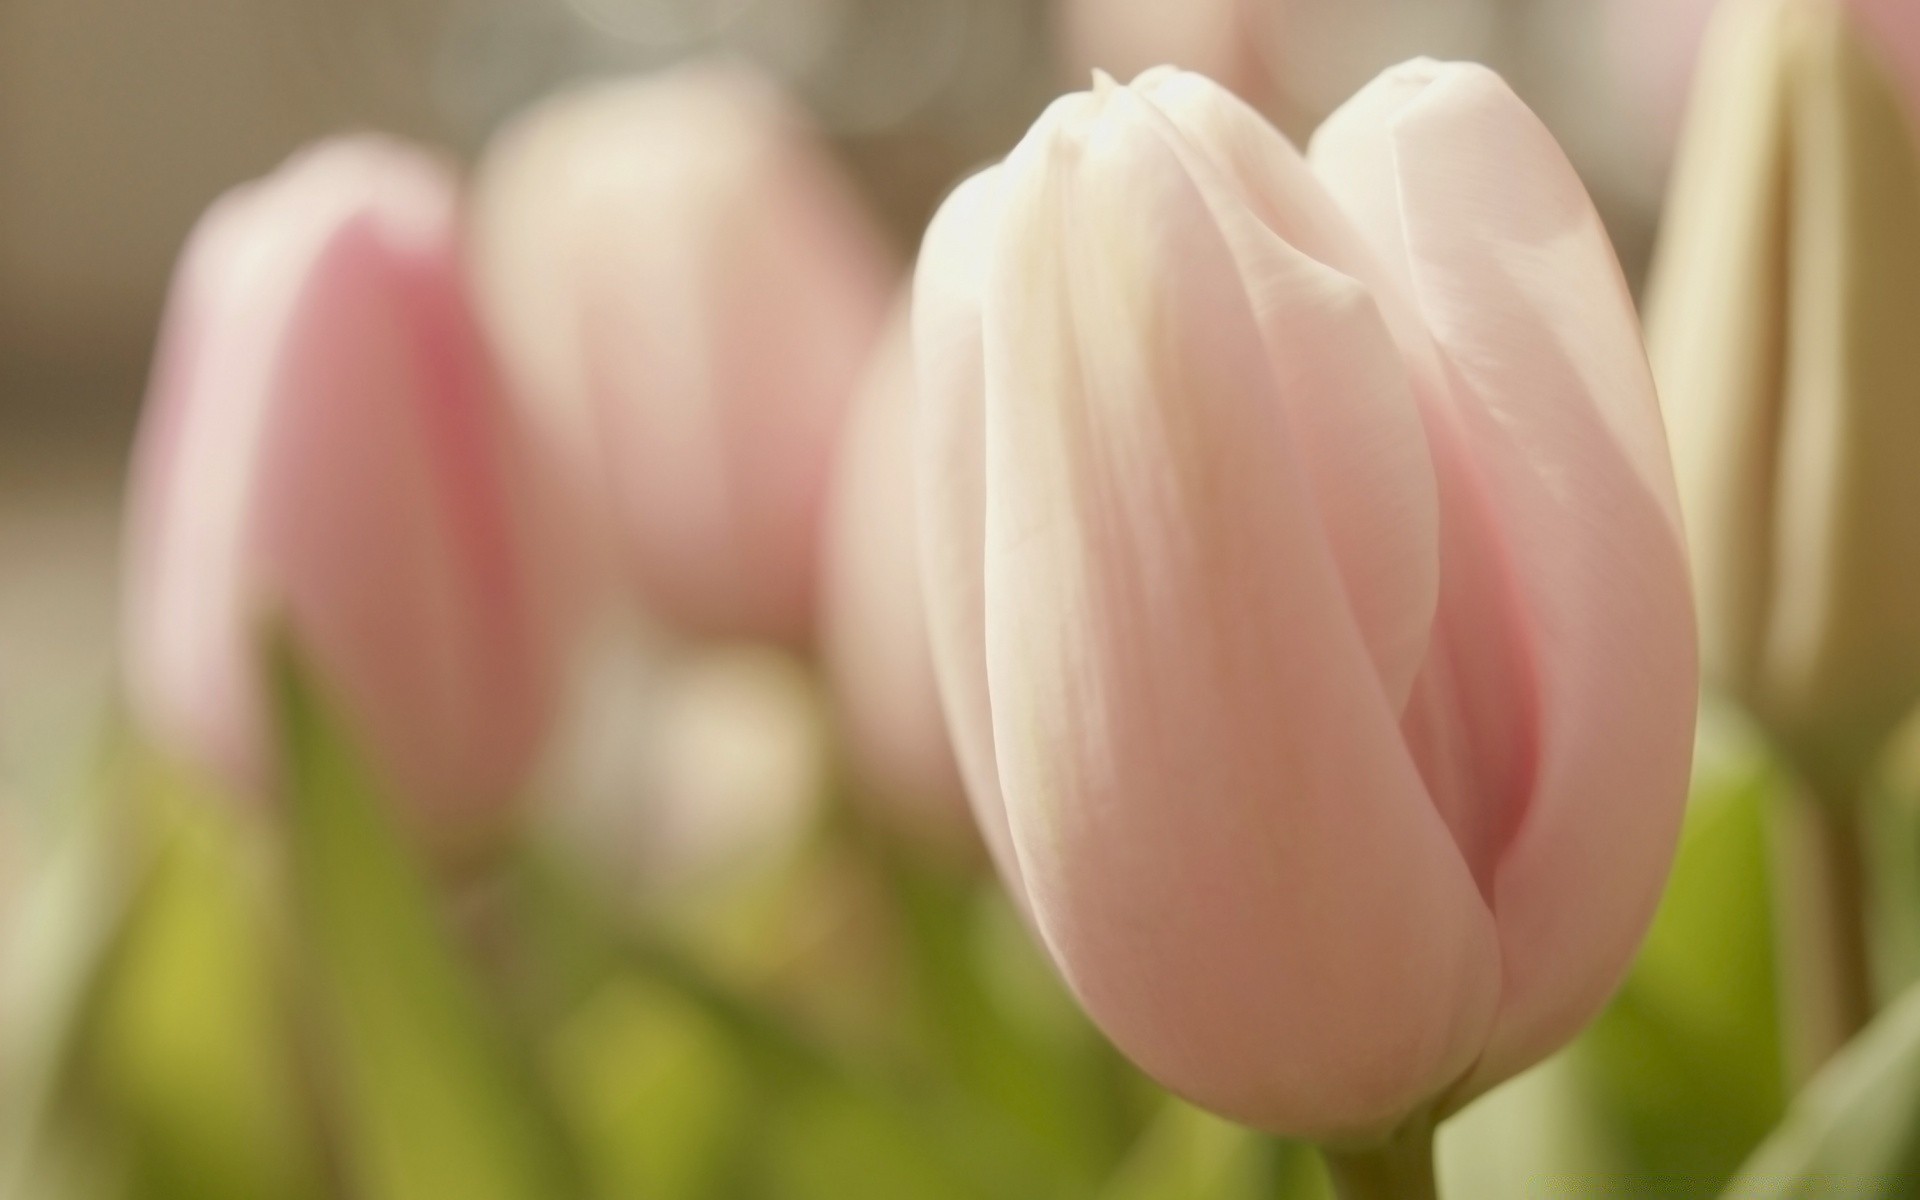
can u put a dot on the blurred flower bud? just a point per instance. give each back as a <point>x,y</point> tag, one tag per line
<point>325,446</point>
<point>737,764</point>
<point>875,623</point>
<point>673,770</point>
<point>1227,40</point>
<point>1890,30</point>
<point>1651,48</point>
<point>1306,585</point>
<point>686,292</point>
<point>1332,47</point>
<point>1781,317</point>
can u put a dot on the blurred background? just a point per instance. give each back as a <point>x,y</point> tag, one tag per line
<point>120,122</point>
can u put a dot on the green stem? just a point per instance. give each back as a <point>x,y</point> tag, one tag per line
<point>1400,1168</point>
<point>1821,925</point>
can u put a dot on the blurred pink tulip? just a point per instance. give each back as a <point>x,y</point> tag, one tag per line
<point>875,624</point>
<point>1656,47</point>
<point>1227,40</point>
<point>1892,29</point>
<point>1306,585</point>
<point>324,445</point>
<point>686,293</point>
<point>1652,49</point>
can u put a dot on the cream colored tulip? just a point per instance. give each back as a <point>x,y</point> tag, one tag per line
<point>1782,321</point>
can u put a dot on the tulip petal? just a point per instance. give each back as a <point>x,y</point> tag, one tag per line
<point>1178,684</point>
<point>1715,316</point>
<point>1271,177</point>
<point>1559,419</point>
<point>1342,378</point>
<point>688,292</point>
<point>951,479</point>
<point>325,449</point>
<point>1839,667</point>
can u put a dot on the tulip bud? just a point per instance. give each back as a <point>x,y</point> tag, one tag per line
<point>1228,40</point>
<point>1305,585</point>
<point>875,624</point>
<point>672,771</point>
<point>686,292</point>
<point>325,447</point>
<point>1651,48</point>
<point>1781,318</point>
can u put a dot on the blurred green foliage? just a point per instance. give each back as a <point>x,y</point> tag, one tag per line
<point>187,1051</point>
<point>1686,1065</point>
<point>304,1003</point>
<point>436,1099</point>
<point>1855,1130</point>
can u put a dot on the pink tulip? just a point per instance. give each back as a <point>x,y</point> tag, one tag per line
<point>1656,45</point>
<point>1892,30</point>
<point>325,446</point>
<point>686,293</point>
<point>1651,51</point>
<point>875,624</point>
<point>1306,585</point>
<point>1228,40</point>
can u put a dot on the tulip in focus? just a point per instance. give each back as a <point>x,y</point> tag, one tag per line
<point>1782,318</point>
<point>875,624</point>
<point>1306,585</point>
<point>686,294</point>
<point>325,447</point>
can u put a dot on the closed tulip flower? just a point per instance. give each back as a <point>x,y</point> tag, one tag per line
<point>1781,316</point>
<point>325,447</point>
<point>874,631</point>
<point>686,293</point>
<point>1306,586</point>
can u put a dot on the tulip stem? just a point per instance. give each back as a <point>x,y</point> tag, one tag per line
<point>1400,1168</point>
<point>1821,927</point>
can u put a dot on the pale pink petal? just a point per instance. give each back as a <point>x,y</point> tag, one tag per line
<point>1556,412</point>
<point>689,292</point>
<point>327,447</point>
<point>1178,686</point>
<point>1275,182</point>
<point>1366,451</point>
<point>1449,571</point>
<point>950,461</point>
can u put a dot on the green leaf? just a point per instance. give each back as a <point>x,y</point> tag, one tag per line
<point>436,1102</point>
<point>844,1140</point>
<point>658,1090</point>
<point>72,914</point>
<point>1892,815</point>
<point>1855,1130</point>
<point>994,1021</point>
<point>1187,1154</point>
<point>188,1046</point>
